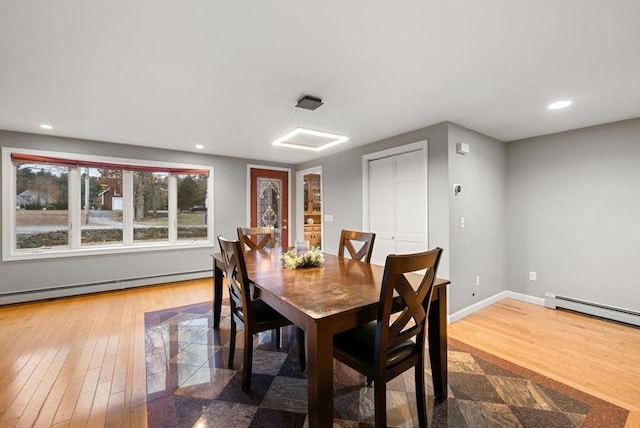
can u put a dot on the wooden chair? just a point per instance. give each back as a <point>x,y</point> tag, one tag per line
<point>254,315</point>
<point>365,239</point>
<point>257,237</point>
<point>383,349</point>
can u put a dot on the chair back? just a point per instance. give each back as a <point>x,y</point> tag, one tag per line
<point>403,309</point>
<point>351,240</point>
<point>256,238</point>
<point>237,278</point>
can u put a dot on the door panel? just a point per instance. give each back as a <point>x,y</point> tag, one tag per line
<point>381,208</point>
<point>270,202</point>
<point>410,204</point>
<point>381,249</point>
<point>397,204</point>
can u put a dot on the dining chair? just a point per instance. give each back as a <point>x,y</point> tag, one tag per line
<point>362,239</point>
<point>257,237</point>
<point>253,315</point>
<point>395,342</point>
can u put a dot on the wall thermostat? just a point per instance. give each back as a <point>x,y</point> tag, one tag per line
<point>457,189</point>
<point>462,148</point>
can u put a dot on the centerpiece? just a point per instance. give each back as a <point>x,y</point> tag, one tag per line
<point>294,259</point>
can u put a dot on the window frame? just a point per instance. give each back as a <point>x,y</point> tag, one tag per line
<point>75,249</point>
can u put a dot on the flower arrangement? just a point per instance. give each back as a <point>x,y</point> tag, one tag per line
<point>312,257</point>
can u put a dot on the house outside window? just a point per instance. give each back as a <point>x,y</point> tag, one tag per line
<point>59,205</point>
<point>42,198</point>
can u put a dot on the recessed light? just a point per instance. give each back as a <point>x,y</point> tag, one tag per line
<point>199,146</point>
<point>559,104</point>
<point>45,126</point>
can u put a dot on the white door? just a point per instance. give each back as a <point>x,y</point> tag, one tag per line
<point>381,210</point>
<point>397,204</point>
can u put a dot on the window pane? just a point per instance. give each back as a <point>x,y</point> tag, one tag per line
<point>42,195</point>
<point>101,206</point>
<point>192,209</point>
<point>151,207</point>
<point>269,206</point>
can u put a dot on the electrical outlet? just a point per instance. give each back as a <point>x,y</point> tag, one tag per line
<point>533,276</point>
<point>477,280</point>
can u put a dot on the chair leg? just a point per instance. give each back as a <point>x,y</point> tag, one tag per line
<point>248,360</point>
<point>380,403</point>
<point>302,353</point>
<point>278,337</point>
<point>232,343</point>
<point>421,402</point>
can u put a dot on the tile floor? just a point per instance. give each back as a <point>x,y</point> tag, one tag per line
<point>189,384</point>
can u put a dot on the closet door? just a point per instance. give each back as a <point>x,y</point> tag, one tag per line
<point>410,203</point>
<point>381,212</point>
<point>397,205</point>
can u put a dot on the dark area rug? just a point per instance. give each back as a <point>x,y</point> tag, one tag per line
<point>189,384</point>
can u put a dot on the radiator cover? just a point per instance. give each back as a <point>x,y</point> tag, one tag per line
<point>626,316</point>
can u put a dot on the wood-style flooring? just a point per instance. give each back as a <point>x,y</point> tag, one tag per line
<point>80,361</point>
<point>598,357</point>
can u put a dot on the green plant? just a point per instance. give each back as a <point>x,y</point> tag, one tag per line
<point>313,257</point>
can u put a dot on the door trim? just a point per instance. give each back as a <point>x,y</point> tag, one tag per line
<point>412,147</point>
<point>248,192</point>
<point>300,201</point>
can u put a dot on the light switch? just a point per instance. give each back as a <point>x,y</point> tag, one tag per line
<point>328,217</point>
<point>461,222</point>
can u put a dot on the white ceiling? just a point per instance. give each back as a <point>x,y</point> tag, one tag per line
<point>227,74</point>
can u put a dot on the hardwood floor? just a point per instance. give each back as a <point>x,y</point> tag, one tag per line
<point>594,356</point>
<point>80,361</point>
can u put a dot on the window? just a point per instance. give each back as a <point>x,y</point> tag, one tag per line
<point>59,204</point>
<point>101,205</point>
<point>42,198</point>
<point>150,206</point>
<point>192,207</point>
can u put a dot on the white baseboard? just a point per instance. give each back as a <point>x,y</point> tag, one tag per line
<point>491,300</point>
<point>524,298</point>
<point>87,288</point>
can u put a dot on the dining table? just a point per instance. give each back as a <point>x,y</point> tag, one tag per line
<point>324,300</point>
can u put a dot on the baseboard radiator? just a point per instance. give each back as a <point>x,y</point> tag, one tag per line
<point>626,316</point>
<point>98,286</point>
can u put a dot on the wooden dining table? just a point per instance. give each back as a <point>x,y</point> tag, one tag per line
<point>325,300</point>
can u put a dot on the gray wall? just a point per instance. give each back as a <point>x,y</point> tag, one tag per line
<point>573,209</point>
<point>342,187</point>
<point>230,176</point>
<point>565,205</point>
<point>480,248</point>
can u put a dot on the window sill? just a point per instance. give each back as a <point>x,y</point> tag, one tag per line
<point>39,253</point>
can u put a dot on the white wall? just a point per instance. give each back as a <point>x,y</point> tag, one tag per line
<point>229,209</point>
<point>573,209</point>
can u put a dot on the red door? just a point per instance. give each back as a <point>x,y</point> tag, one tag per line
<point>270,202</point>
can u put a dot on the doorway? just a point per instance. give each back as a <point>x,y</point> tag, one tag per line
<point>395,200</point>
<point>309,207</point>
<point>269,201</point>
